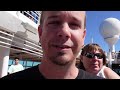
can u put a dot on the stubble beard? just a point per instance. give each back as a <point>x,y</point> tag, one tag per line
<point>56,59</point>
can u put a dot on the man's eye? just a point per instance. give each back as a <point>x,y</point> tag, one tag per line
<point>54,23</point>
<point>74,25</point>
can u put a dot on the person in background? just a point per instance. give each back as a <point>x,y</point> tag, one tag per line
<point>93,60</point>
<point>16,67</point>
<point>62,35</point>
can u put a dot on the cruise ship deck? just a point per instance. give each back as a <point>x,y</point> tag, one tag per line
<point>19,37</point>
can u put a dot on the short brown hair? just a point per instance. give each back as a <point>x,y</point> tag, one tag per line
<point>42,19</point>
<point>90,47</point>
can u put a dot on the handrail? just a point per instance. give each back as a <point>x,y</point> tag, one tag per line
<point>18,38</point>
<point>19,47</point>
<point>33,15</point>
<point>26,45</point>
<point>22,51</point>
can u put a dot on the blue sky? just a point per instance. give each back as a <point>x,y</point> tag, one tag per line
<point>93,21</point>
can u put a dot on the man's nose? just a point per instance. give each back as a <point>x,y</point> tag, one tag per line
<point>64,32</point>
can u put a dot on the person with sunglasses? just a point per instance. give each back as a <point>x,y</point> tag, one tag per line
<point>62,35</point>
<point>93,60</point>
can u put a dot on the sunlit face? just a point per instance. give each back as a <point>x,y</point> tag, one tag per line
<point>92,65</point>
<point>62,35</point>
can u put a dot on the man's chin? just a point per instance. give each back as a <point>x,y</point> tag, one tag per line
<point>61,62</point>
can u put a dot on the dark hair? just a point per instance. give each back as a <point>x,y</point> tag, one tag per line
<point>88,48</point>
<point>16,58</point>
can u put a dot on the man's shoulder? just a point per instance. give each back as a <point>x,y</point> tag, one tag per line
<point>85,75</point>
<point>20,65</point>
<point>11,66</point>
<point>29,73</point>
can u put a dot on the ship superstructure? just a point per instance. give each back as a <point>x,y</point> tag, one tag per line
<point>19,37</point>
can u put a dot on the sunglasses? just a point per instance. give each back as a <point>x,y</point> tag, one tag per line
<point>92,55</point>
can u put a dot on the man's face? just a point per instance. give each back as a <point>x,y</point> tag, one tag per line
<point>16,61</point>
<point>62,35</point>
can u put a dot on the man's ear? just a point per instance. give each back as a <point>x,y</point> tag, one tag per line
<point>84,35</point>
<point>39,31</point>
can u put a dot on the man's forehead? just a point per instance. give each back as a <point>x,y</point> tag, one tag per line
<point>16,59</point>
<point>76,14</point>
<point>64,12</point>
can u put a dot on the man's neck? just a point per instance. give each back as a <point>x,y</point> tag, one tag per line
<point>51,71</point>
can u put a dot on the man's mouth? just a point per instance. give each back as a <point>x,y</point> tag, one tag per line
<point>62,46</point>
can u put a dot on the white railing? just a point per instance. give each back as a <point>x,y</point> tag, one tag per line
<point>33,15</point>
<point>10,40</point>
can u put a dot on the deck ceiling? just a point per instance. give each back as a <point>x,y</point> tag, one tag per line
<point>24,56</point>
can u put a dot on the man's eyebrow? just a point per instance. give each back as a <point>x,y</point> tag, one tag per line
<point>53,17</point>
<point>75,19</point>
